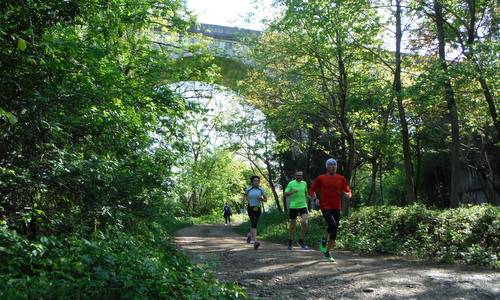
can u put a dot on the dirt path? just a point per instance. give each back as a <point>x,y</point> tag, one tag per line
<point>273,272</point>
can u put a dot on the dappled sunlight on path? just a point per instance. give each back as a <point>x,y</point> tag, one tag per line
<point>273,272</point>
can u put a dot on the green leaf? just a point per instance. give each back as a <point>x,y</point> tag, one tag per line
<point>21,44</point>
<point>12,119</point>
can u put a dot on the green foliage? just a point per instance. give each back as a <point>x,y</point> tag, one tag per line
<point>84,110</point>
<point>231,71</point>
<point>205,184</point>
<point>464,235</point>
<point>113,265</point>
<point>89,135</point>
<point>328,69</point>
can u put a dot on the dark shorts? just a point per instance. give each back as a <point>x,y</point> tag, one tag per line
<point>294,212</point>
<point>332,218</point>
<point>254,215</point>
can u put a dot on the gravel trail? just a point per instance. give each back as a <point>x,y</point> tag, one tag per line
<point>273,272</point>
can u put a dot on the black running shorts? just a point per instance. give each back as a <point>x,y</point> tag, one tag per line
<point>294,212</point>
<point>254,215</point>
<point>332,218</point>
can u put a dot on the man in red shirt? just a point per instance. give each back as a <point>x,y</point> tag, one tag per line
<point>330,186</point>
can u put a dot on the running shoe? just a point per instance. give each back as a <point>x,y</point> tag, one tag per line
<point>302,245</point>
<point>322,245</point>
<point>256,245</point>
<point>249,238</point>
<point>329,257</point>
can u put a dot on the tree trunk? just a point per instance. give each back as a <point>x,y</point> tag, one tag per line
<point>373,183</point>
<point>397,86</point>
<point>283,181</point>
<point>193,200</point>
<point>471,39</point>
<point>381,178</point>
<point>418,154</point>
<point>270,170</point>
<point>452,107</point>
<point>491,104</point>
<point>271,184</point>
<point>343,92</point>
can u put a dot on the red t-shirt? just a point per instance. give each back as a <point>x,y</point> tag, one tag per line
<point>330,188</point>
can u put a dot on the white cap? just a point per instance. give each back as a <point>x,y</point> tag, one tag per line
<point>330,161</point>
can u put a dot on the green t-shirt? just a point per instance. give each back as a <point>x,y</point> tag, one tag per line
<point>298,199</point>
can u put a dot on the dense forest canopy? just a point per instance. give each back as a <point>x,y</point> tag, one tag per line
<point>80,82</point>
<point>404,93</point>
<point>411,117</point>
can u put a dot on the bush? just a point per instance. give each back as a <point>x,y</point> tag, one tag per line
<point>464,235</point>
<point>108,265</point>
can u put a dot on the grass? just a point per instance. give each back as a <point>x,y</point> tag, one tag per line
<point>218,218</point>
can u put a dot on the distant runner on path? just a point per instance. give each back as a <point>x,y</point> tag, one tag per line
<point>330,186</point>
<point>227,214</point>
<point>254,196</point>
<point>296,193</point>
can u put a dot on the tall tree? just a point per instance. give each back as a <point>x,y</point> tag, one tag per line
<point>466,21</point>
<point>250,137</point>
<point>452,105</point>
<point>398,90</point>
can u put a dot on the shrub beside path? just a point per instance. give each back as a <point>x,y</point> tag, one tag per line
<point>273,272</point>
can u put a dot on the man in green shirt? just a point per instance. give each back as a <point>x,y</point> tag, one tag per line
<point>296,193</point>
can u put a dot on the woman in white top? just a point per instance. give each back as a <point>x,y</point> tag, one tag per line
<point>254,196</point>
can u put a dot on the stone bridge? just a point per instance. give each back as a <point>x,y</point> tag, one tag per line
<point>227,44</point>
<point>222,40</point>
<point>226,41</point>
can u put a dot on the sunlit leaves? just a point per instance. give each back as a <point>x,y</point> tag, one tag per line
<point>21,44</point>
<point>80,105</point>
